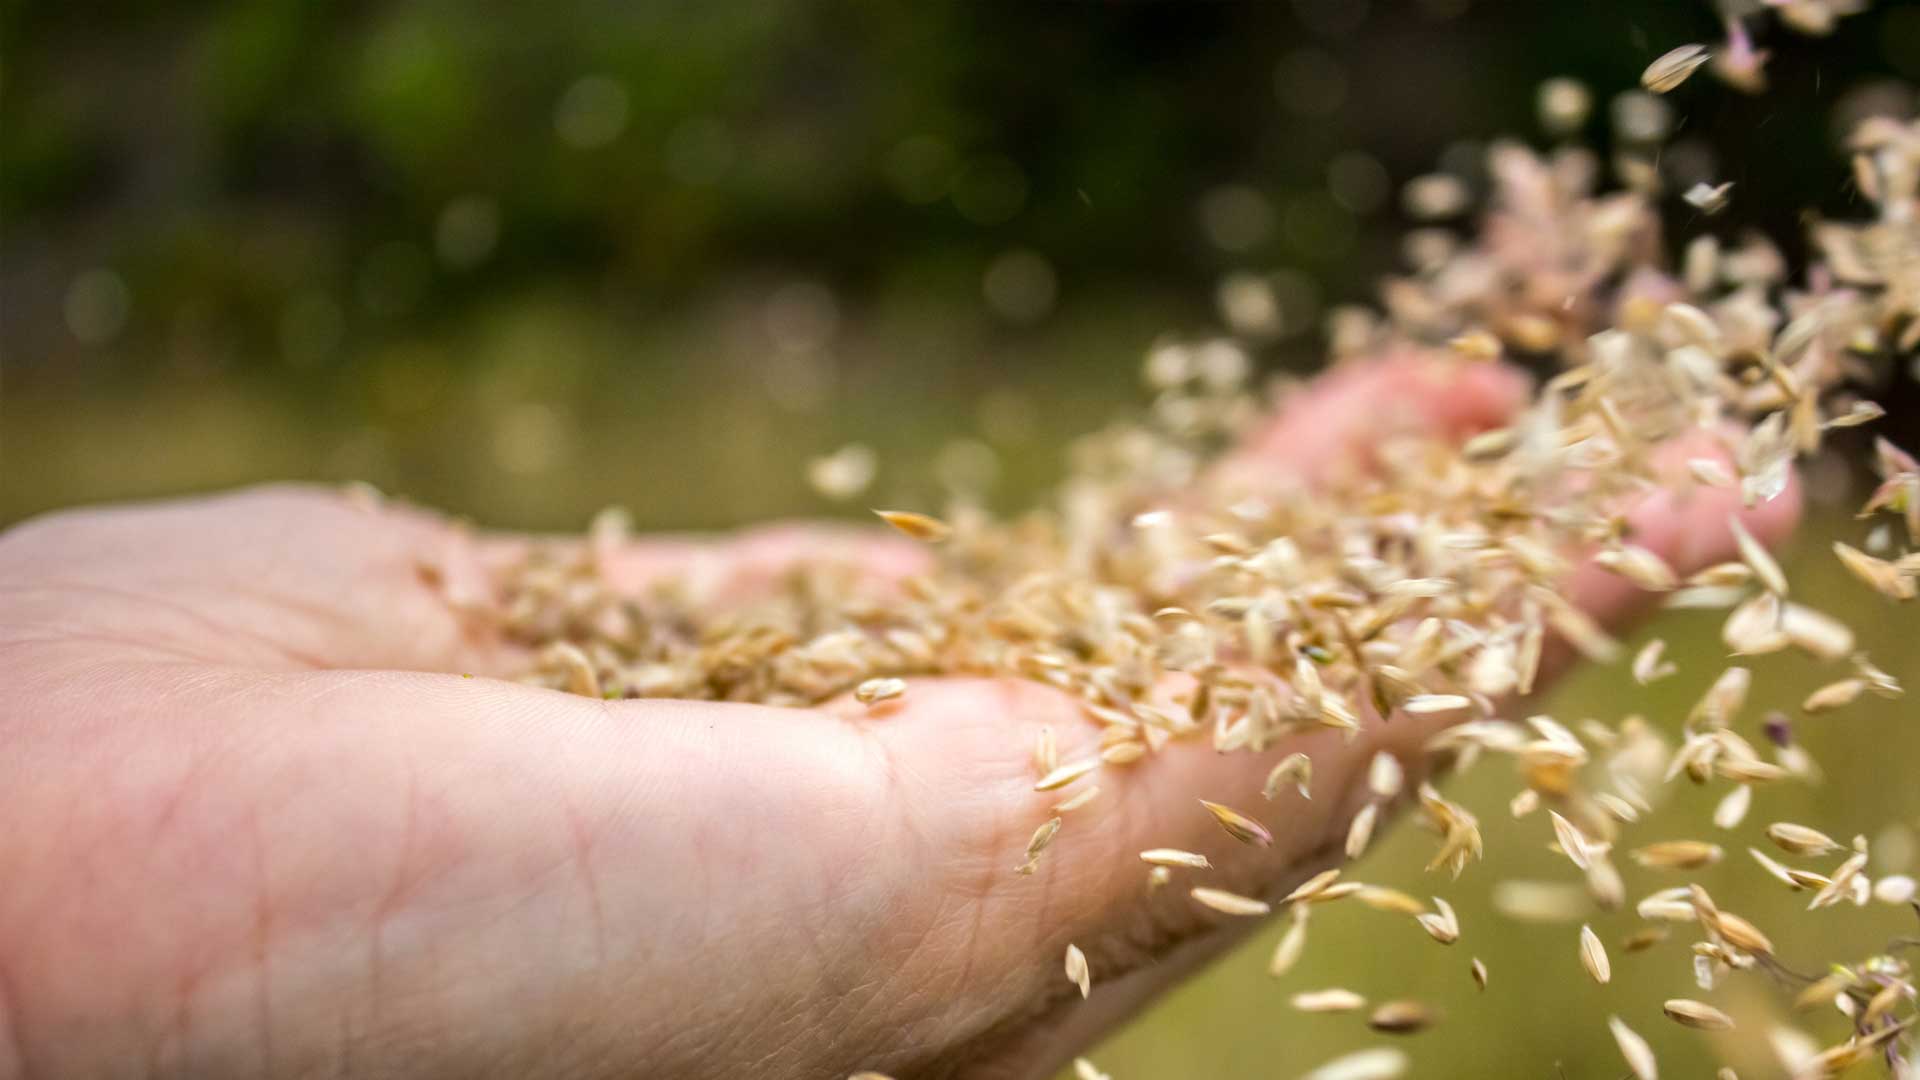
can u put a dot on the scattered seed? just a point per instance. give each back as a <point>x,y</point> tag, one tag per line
<point>874,691</point>
<point>1227,903</point>
<point>1175,857</point>
<point>1327,1001</point>
<point>1077,970</point>
<point>1593,956</point>
<point>1673,67</point>
<point>918,526</point>
<point>1066,774</point>
<point>1238,825</point>
<point>1695,1014</point>
<point>1638,1055</point>
<point>1401,1018</point>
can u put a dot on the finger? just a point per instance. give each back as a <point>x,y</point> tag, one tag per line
<point>1336,420</point>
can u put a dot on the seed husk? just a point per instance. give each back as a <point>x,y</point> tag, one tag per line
<point>1800,839</point>
<point>916,525</point>
<point>1175,857</point>
<point>1327,1001</point>
<point>1834,695</point>
<point>874,691</point>
<point>1593,956</point>
<point>1673,66</point>
<point>1313,886</point>
<point>1077,971</point>
<point>1401,1017</point>
<point>1379,1063</point>
<point>1296,769</point>
<point>1066,774</point>
<point>1633,1048</point>
<point>1696,1014</point>
<point>1229,903</point>
<point>1292,943</point>
<point>1677,855</point>
<point>1238,825</point>
<point>1479,972</point>
<point>1360,830</point>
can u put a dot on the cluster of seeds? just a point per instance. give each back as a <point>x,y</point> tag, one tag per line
<point>1428,581</point>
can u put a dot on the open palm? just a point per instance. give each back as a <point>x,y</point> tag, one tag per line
<point>266,808</point>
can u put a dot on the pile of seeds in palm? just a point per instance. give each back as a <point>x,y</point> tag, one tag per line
<point>1430,579</point>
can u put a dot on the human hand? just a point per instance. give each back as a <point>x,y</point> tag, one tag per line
<point>260,820</point>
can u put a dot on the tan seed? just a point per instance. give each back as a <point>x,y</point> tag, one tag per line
<point>1077,971</point>
<point>1638,1055</point>
<point>1593,956</point>
<point>1328,1001</point>
<point>1800,840</point>
<point>1401,1018</point>
<point>1175,857</point>
<point>1673,67</point>
<point>1238,825</point>
<point>874,691</point>
<point>1066,774</point>
<point>1479,971</point>
<point>1677,855</point>
<point>1228,903</point>
<point>1696,1014</point>
<point>918,526</point>
<point>1360,831</point>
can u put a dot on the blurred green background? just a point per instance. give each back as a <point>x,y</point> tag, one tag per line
<point>521,261</point>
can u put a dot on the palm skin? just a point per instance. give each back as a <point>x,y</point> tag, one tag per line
<point>268,813</point>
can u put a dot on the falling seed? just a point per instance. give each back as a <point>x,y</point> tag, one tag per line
<point>1593,956</point>
<point>1066,774</point>
<point>1175,857</point>
<point>1880,575</point>
<point>1296,769</point>
<point>1800,840</point>
<point>1755,555</point>
<point>1709,198</point>
<point>1380,1063</point>
<point>1313,886</point>
<point>1573,843</point>
<point>1430,704</point>
<point>1077,971</point>
<point>844,473</point>
<point>1834,695</point>
<point>1328,1001</point>
<point>1042,837</point>
<point>1087,1070</point>
<point>1238,825</point>
<point>918,526</point>
<point>1638,1055</point>
<point>1382,898</point>
<point>1385,775</point>
<point>1648,665</point>
<point>1292,944</point>
<point>1479,971</point>
<point>874,691</point>
<point>1360,831</point>
<point>1083,797</point>
<point>1046,754</point>
<point>1673,67</point>
<point>1732,809</point>
<point>1677,855</point>
<point>1401,1018</point>
<point>1228,903</point>
<point>1441,924</point>
<point>1697,1014</point>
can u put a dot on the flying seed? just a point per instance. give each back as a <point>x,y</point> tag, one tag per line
<point>1077,970</point>
<point>1696,1014</point>
<point>1228,903</point>
<point>918,526</point>
<point>1673,67</point>
<point>1593,956</point>
<point>1238,825</point>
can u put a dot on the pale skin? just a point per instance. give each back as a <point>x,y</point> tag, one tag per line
<point>269,807</point>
